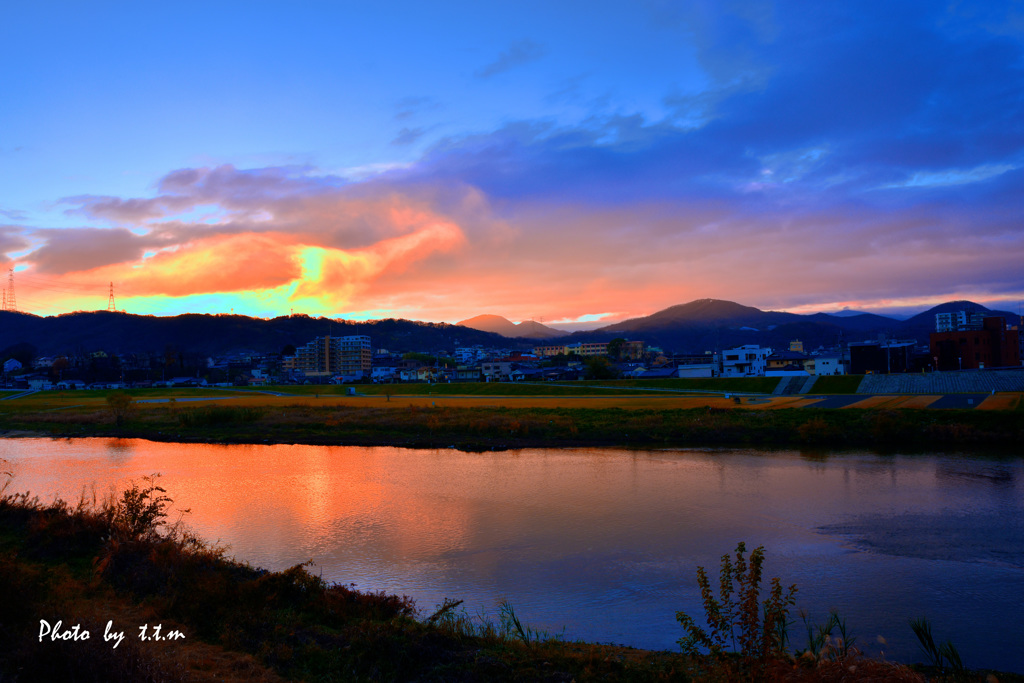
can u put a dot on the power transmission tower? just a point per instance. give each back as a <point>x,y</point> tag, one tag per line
<point>110,301</point>
<point>10,303</point>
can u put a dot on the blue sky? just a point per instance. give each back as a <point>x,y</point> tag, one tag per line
<point>534,160</point>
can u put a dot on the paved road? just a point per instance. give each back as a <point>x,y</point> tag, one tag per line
<point>21,395</point>
<point>835,401</point>
<point>185,399</point>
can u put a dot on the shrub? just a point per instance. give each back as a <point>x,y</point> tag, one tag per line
<point>209,416</point>
<point>140,510</point>
<point>747,626</point>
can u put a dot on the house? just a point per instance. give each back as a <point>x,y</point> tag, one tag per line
<point>705,365</point>
<point>12,365</point>
<point>780,359</point>
<point>708,369</point>
<point>791,370</point>
<point>467,374</point>
<point>384,373</point>
<point>829,364</point>
<point>495,370</point>
<point>426,373</point>
<point>526,374</point>
<point>186,382</point>
<point>563,374</point>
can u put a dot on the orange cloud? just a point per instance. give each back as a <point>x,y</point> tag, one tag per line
<point>223,263</point>
<point>335,275</point>
<point>276,270</point>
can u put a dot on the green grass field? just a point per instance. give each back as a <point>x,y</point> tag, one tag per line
<point>751,385</point>
<point>155,392</point>
<point>471,389</point>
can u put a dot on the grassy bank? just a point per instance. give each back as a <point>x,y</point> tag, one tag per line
<point>112,567</point>
<point>837,384</point>
<point>748,385</point>
<point>469,389</point>
<point>474,425</point>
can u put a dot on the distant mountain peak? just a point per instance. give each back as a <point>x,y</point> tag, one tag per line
<point>506,328</point>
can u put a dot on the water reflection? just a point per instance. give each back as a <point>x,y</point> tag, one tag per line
<point>986,473</point>
<point>120,450</point>
<point>604,543</point>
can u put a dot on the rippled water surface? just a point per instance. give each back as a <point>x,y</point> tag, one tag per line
<point>603,544</point>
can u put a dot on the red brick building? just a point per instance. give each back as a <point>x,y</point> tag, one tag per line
<point>993,346</point>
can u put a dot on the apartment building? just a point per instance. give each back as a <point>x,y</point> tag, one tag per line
<point>351,356</point>
<point>629,349</point>
<point>992,346</point>
<point>954,321</point>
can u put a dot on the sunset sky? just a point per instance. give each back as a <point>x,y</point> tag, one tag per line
<point>556,161</point>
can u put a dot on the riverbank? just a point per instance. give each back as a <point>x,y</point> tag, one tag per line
<point>161,605</point>
<point>479,424</point>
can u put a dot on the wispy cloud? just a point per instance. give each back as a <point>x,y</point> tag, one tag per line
<point>408,136</point>
<point>410,107</point>
<point>517,54</point>
<point>953,176</point>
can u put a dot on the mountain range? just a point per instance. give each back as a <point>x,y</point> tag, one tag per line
<point>705,324</point>
<point>708,324</point>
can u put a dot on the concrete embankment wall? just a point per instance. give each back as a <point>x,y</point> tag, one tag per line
<point>970,381</point>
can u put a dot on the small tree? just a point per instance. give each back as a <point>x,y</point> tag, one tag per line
<point>598,367</point>
<point>121,406</point>
<point>615,348</point>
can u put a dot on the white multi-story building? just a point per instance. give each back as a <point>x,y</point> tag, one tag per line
<point>748,360</point>
<point>954,321</point>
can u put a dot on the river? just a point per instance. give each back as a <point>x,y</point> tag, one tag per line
<point>603,544</point>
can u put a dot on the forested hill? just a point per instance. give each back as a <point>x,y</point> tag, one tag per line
<point>217,334</point>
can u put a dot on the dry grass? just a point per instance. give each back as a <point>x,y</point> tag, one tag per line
<point>918,401</point>
<point>876,402</point>
<point>1002,401</point>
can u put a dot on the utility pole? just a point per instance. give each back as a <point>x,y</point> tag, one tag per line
<point>10,303</point>
<point>110,301</point>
